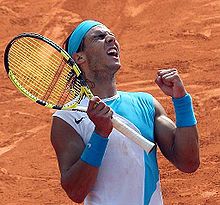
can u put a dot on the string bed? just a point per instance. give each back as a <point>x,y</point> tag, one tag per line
<point>43,72</point>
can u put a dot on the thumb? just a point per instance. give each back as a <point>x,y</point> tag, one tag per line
<point>93,102</point>
<point>159,81</point>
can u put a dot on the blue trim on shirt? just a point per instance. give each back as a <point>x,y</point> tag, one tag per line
<point>139,109</point>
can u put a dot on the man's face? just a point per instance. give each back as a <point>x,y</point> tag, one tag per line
<point>102,49</point>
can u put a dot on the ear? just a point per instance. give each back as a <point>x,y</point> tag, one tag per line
<point>80,58</point>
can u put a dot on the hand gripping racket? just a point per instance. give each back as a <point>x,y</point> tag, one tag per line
<point>46,74</point>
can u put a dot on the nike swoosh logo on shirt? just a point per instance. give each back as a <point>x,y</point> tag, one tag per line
<point>79,120</point>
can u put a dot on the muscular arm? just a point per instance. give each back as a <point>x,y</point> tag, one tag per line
<point>77,177</point>
<point>178,145</point>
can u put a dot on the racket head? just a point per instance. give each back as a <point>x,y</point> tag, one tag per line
<point>44,72</point>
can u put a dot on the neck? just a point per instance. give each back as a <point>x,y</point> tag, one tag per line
<point>102,86</point>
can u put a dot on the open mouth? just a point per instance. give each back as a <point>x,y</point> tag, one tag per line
<point>113,52</point>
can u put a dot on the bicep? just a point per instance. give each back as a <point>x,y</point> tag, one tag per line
<point>67,144</point>
<point>164,131</point>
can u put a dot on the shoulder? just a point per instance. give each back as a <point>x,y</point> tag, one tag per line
<point>78,121</point>
<point>137,95</point>
<point>159,110</point>
<point>66,142</point>
<point>143,102</point>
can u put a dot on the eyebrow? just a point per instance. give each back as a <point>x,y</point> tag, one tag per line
<point>102,32</point>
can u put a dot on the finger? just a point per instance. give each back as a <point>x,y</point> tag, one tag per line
<point>170,77</point>
<point>109,112</point>
<point>93,103</point>
<point>105,112</point>
<point>159,81</point>
<point>165,71</point>
<point>166,75</point>
<point>99,106</point>
<point>174,80</point>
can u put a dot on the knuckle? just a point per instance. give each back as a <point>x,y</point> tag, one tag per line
<point>101,103</point>
<point>95,99</point>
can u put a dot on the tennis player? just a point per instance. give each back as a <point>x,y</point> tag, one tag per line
<point>100,166</point>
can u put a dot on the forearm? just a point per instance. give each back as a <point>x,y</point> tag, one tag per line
<point>78,180</point>
<point>79,163</point>
<point>178,143</point>
<point>186,148</point>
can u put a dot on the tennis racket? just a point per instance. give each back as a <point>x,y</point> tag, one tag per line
<point>47,75</point>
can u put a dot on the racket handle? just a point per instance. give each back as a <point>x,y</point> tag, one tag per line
<point>127,131</point>
<point>79,108</point>
<point>133,135</point>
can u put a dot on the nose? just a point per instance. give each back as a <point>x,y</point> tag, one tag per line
<point>110,39</point>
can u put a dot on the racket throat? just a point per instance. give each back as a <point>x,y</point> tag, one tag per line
<point>85,87</point>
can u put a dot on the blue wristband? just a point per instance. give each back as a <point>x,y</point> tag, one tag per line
<point>185,116</point>
<point>95,150</point>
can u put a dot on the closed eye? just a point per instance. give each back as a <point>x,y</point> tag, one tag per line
<point>103,35</point>
<point>100,36</point>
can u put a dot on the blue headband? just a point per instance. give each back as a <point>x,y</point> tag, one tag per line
<point>78,34</point>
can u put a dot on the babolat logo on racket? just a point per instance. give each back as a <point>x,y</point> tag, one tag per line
<point>72,80</point>
<point>70,75</point>
<point>73,83</point>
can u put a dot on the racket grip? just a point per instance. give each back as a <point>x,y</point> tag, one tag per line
<point>80,109</point>
<point>133,135</point>
<point>127,131</point>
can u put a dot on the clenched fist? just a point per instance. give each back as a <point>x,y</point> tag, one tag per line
<point>170,83</point>
<point>100,114</point>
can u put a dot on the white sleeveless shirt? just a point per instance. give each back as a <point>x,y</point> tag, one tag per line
<point>127,176</point>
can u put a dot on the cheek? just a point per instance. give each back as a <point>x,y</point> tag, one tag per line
<point>98,55</point>
<point>94,60</point>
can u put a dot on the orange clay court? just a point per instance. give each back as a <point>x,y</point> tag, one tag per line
<point>153,34</point>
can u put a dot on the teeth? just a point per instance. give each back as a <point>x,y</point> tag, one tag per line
<point>112,51</point>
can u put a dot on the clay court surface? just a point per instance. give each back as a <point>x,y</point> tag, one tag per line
<point>153,34</point>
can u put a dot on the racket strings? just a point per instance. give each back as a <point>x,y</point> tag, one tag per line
<point>21,74</point>
<point>27,60</point>
<point>46,49</point>
<point>27,49</point>
<point>42,81</point>
<point>28,77</point>
<point>37,72</point>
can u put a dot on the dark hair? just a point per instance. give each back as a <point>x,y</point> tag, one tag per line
<point>66,43</point>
